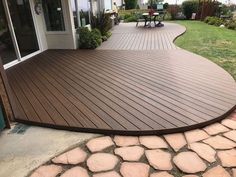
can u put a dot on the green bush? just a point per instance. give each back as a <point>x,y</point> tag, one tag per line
<point>214,21</point>
<point>189,7</point>
<point>231,24</point>
<point>89,39</point>
<point>132,18</point>
<point>130,4</point>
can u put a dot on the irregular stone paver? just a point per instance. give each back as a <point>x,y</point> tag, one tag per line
<point>227,158</point>
<point>134,169</point>
<point>189,162</point>
<point>215,128</point>
<point>204,151</point>
<point>131,153</point>
<point>195,135</point>
<point>234,172</point>
<point>107,174</point>
<point>190,176</point>
<point>101,162</point>
<point>159,159</point>
<point>153,142</point>
<point>126,140</point>
<point>47,171</point>
<point>74,156</point>
<point>176,141</point>
<point>76,172</point>
<point>161,174</point>
<point>219,142</point>
<point>99,144</point>
<point>216,172</point>
<point>229,123</point>
<point>231,135</point>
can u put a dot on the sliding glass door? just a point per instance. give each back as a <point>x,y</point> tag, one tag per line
<point>22,38</point>
<point>7,50</point>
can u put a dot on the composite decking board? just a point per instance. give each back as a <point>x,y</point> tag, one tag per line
<point>26,105</point>
<point>161,95</point>
<point>192,115</point>
<point>137,82</point>
<point>165,78</point>
<point>97,83</point>
<point>115,104</point>
<point>81,108</point>
<point>121,74</point>
<point>44,98</point>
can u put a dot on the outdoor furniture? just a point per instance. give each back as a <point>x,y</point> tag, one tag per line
<point>149,18</point>
<point>139,18</point>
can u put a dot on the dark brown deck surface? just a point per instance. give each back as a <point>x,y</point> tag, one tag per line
<point>124,92</point>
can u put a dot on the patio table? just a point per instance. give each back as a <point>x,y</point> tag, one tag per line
<point>146,15</point>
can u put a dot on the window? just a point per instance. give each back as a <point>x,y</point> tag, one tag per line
<point>53,15</point>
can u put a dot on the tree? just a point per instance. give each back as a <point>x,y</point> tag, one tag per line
<point>130,4</point>
<point>189,7</point>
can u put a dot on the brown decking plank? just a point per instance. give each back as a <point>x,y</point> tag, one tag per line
<point>187,113</point>
<point>90,119</point>
<point>54,96</point>
<point>95,85</point>
<point>43,99</point>
<point>25,103</point>
<point>113,70</point>
<point>99,104</point>
<point>138,123</point>
<point>139,71</point>
<point>169,111</point>
<point>159,111</point>
<point>164,79</point>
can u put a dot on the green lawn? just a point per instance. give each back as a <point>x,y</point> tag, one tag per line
<point>214,43</point>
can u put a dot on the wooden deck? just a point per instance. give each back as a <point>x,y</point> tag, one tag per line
<point>121,91</point>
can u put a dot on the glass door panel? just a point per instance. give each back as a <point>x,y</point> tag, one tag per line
<point>23,24</point>
<point>7,50</point>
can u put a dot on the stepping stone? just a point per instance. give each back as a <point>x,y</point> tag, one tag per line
<point>204,151</point>
<point>176,141</point>
<point>161,174</point>
<point>76,172</point>
<point>189,162</point>
<point>134,169</point>
<point>195,135</point>
<point>99,144</point>
<point>217,171</point>
<point>47,171</point>
<point>126,140</point>
<point>234,172</point>
<point>131,153</point>
<point>215,128</point>
<point>227,158</point>
<point>219,142</point>
<point>231,135</point>
<point>229,123</point>
<point>159,159</point>
<point>190,176</point>
<point>102,162</point>
<point>74,156</point>
<point>107,174</point>
<point>153,142</point>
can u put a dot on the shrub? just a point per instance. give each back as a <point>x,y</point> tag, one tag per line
<point>132,18</point>
<point>189,7</point>
<point>102,22</point>
<point>89,39</point>
<point>231,24</point>
<point>214,21</point>
<point>130,4</point>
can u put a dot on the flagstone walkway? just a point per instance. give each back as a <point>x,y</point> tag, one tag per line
<point>207,152</point>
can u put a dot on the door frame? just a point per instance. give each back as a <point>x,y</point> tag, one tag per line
<point>13,36</point>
